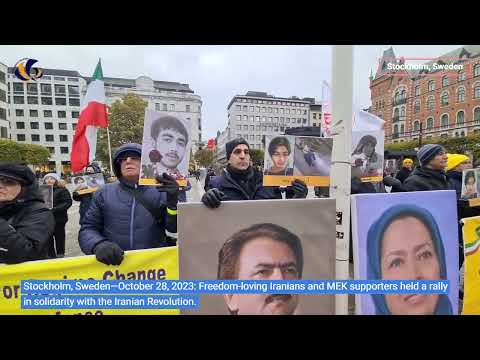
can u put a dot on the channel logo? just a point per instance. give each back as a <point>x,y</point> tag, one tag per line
<point>24,70</point>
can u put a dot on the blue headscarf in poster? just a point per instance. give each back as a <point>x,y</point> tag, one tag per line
<point>374,239</point>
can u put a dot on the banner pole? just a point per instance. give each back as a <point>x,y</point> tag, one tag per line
<point>109,151</point>
<point>342,113</point>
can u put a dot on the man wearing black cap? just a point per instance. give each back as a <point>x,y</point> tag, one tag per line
<point>240,181</point>
<point>26,224</point>
<point>430,175</point>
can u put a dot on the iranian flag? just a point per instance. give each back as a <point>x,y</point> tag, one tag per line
<point>92,116</point>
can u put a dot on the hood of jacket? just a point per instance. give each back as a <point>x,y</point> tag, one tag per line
<point>121,150</point>
<point>374,246</point>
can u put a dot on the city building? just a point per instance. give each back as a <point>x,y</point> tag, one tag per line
<point>176,98</point>
<point>4,122</point>
<point>439,98</point>
<point>315,114</point>
<point>256,114</point>
<point>45,112</point>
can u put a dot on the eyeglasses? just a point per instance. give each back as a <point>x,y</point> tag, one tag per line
<point>7,181</point>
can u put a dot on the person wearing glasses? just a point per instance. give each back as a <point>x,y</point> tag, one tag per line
<point>241,181</point>
<point>126,216</point>
<point>26,224</point>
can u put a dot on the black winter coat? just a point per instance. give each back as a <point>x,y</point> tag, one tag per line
<point>424,179</point>
<point>61,203</point>
<point>26,225</point>
<point>403,174</point>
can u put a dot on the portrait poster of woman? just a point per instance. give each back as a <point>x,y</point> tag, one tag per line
<point>406,236</point>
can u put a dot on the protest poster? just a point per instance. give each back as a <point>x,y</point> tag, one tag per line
<point>151,264</point>
<point>390,167</point>
<point>470,187</point>
<point>86,184</point>
<point>406,236</point>
<point>471,277</point>
<point>306,158</point>
<point>47,194</point>
<point>165,147</point>
<point>250,237</point>
<point>367,155</point>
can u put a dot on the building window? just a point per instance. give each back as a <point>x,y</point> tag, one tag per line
<point>35,137</point>
<point>252,109</point>
<point>49,138</point>
<point>46,89</point>
<point>430,103</point>
<point>239,127</point>
<point>74,126</point>
<point>165,107</point>
<point>58,78</point>
<point>62,126</point>
<point>461,94</point>
<point>431,85</point>
<point>51,149</point>
<point>476,91</point>
<point>33,113</point>
<point>18,112</point>
<point>444,121</point>
<point>3,132</point>
<point>2,80</point>
<point>299,121</point>
<point>61,101</point>
<point>245,107</point>
<point>257,128</point>
<point>445,81</point>
<point>416,108</point>
<point>304,121</point>
<point>172,107</point>
<point>34,125</point>
<point>3,96</point>
<point>238,107</point>
<point>47,113</point>
<point>63,138</point>
<point>60,90</point>
<point>32,89</point>
<point>48,126</point>
<point>460,118</point>
<point>73,90</point>
<point>461,75</point>
<point>252,118</point>
<point>476,70</point>
<point>476,115</point>
<point>314,116</point>
<point>157,107</point>
<point>417,90</point>
<point>20,125</point>
<point>64,150</point>
<point>239,117</point>
<point>18,100</point>
<point>444,98</point>
<point>46,101</point>
<point>245,127</point>
<point>416,126</point>
<point>62,114</point>
<point>402,113</point>
<point>3,113</point>
<point>264,119</point>
<point>245,118</point>
<point>18,87</point>
<point>257,118</point>
<point>252,127</point>
<point>395,129</point>
<point>429,123</point>
<point>20,137</point>
<point>73,79</point>
<point>32,100</point>
<point>402,129</point>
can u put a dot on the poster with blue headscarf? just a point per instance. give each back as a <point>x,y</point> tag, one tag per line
<point>406,236</point>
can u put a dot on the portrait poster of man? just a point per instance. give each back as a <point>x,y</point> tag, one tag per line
<point>406,236</point>
<point>88,183</point>
<point>367,155</point>
<point>391,167</point>
<point>471,277</point>
<point>165,147</point>
<point>470,187</point>
<point>47,194</point>
<point>306,158</point>
<point>251,241</point>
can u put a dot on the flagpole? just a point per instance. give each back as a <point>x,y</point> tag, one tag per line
<point>109,151</point>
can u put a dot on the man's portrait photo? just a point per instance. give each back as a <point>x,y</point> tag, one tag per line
<point>166,145</point>
<point>279,155</point>
<point>251,242</point>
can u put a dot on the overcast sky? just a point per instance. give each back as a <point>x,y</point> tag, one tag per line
<point>217,73</point>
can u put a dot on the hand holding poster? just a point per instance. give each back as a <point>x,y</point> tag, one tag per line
<point>367,155</point>
<point>88,183</point>
<point>297,157</point>
<point>406,236</point>
<point>165,147</point>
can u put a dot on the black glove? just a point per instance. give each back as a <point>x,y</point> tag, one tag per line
<point>109,253</point>
<point>212,198</point>
<point>300,189</point>
<point>170,186</point>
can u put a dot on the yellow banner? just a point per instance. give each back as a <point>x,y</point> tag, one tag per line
<point>151,264</point>
<point>182,183</point>
<point>87,191</point>
<point>471,246</point>
<point>278,180</point>
<point>371,179</point>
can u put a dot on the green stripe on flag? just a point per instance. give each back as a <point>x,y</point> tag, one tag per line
<point>98,73</point>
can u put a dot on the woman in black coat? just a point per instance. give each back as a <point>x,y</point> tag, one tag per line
<point>62,201</point>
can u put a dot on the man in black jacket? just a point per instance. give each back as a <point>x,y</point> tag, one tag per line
<point>25,222</point>
<point>240,181</point>
<point>430,175</point>
<point>405,171</point>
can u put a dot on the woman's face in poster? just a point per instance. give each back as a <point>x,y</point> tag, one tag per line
<point>408,253</point>
<point>280,157</point>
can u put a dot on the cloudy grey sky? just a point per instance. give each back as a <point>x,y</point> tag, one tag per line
<point>217,73</point>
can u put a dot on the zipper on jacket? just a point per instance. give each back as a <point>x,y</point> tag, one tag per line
<point>132,214</point>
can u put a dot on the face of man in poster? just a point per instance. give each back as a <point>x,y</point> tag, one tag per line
<point>263,258</point>
<point>408,253</point>
<point>172,145</point>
